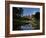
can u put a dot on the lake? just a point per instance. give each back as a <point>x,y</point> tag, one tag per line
<point>26,27</point>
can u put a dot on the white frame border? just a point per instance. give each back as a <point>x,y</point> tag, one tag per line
<point>29,6</point>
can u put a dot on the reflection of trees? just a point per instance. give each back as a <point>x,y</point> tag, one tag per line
<point>35,20</point>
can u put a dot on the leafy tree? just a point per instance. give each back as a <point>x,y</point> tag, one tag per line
<point>35,20</point>
<point>17,12</point>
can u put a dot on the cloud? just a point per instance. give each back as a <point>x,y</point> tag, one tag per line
<point>34,12</point>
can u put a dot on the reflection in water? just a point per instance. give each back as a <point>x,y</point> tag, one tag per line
<point>26,27</point>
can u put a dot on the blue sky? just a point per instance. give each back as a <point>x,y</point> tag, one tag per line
<point>30,11</point>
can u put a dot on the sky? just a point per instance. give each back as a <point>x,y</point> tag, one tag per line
<point>30,11</point>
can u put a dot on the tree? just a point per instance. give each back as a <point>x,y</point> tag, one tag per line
<point>37,15</point>
<point>35,20</point>
<point>17,12</point>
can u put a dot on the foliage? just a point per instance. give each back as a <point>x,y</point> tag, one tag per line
<point>18,20</point>
<point>35,21</point>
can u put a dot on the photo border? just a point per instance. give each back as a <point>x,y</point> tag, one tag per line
<point>7,18</point>
<point>25,6</point>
